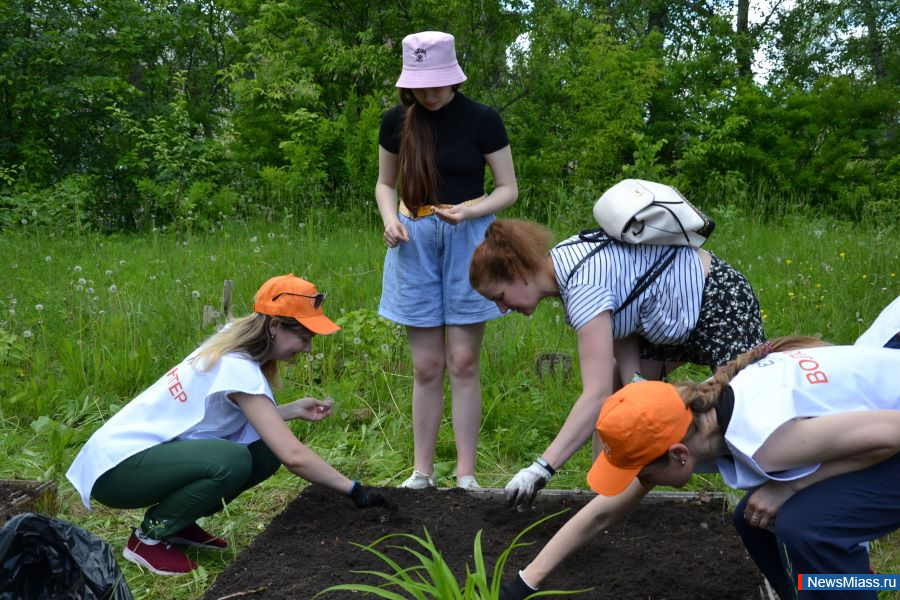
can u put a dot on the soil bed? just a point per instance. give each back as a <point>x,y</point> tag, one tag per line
<point>665,550</point>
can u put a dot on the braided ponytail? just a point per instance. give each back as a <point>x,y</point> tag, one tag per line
<point>701,397</point>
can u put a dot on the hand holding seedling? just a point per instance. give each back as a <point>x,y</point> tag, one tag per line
<point>308,409</point>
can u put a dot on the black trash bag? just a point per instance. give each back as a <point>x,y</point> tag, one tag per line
<point>43,558</point>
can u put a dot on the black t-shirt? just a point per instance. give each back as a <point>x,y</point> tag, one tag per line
<point>464,132</point>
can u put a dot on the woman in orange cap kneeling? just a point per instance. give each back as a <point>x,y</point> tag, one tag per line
<point>811,431</point>
<point>209,429</point>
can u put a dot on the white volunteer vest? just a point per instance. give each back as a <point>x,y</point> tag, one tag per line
<point>803,383</point>
<point>184,403</point>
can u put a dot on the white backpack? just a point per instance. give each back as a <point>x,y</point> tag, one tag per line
<point>636,211</point>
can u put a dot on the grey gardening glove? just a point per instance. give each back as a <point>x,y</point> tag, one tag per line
<point>521,489</point>
<point>517,589</point>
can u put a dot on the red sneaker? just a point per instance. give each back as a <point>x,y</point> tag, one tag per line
<point>194,535</point>
<point>160,557</point>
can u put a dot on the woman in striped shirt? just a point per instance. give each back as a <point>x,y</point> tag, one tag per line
<point>638,311</point>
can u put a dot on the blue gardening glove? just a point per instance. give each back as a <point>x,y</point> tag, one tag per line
<point>521,489</point>
<point>516,589</point>
<point>364,496</point>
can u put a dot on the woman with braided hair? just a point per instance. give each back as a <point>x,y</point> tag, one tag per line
<point>811,431</point>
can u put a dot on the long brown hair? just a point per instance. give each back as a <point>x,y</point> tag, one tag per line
<point>417,177</point>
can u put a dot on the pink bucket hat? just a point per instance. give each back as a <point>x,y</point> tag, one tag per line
<point>429,60</point>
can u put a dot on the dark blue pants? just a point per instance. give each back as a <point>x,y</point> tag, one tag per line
<point>819,529</point>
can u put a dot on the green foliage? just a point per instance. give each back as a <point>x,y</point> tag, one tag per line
<point>89,320</point>
<point>370,343</point>
<point>189,113</point>
<point>431,576</point>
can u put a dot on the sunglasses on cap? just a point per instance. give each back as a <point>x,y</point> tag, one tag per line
<point>317,300</point>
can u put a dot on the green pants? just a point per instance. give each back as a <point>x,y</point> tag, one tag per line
<point>184,480</point>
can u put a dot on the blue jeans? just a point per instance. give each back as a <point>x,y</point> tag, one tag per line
<point>822,529</point>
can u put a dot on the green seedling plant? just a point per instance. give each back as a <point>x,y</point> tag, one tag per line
<point>432,577</point>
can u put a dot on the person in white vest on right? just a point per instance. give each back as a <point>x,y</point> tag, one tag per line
<point>209,429</point>
<point>884,332</point>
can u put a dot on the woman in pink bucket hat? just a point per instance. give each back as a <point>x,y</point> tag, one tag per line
<point>432,152</point>
<point>209,429</point>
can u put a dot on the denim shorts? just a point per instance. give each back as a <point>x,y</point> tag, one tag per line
<point>426,280</point>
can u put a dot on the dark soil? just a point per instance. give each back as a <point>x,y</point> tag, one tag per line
<point>666,549</point>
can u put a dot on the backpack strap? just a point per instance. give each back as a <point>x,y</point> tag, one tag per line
<point>602,239</point>
<point>596,236</point>
<point>648,278</point>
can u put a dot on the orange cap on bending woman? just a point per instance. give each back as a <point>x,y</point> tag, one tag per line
<point>637,425</point>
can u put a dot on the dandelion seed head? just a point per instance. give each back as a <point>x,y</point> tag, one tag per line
<point>254,239</point>
<point>27,333</point>
<point>48,259</point>
<point>256,250</point>
<point>39,307</point>
<point>195,294</point>
<point>77,268</point>
<point>271,235</point>
<point>109,272</point>
<point>24,221</point>
<point>113,289</point>
<point>357,341</point>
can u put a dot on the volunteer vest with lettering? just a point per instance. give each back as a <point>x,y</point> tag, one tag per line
<point>185,403</point>
<point>802,383</point>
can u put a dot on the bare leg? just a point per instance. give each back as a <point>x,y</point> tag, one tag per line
<point>426,345</point>
<point>464,367</point>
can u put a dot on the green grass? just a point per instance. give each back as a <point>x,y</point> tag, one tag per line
<point>87,322</point>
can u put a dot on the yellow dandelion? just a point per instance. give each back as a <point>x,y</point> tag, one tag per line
<point>788,261</point>
<point>865,276</point>
<point>841,255</point>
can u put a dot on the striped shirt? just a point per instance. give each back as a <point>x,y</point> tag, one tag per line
<point>664,313</point>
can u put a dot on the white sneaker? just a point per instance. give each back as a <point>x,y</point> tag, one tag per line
<point>419,481</point>
<point>467,482</point>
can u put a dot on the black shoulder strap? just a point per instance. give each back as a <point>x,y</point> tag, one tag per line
<point>602,239</point>
<point>648,278</point>
<point>596,236</point>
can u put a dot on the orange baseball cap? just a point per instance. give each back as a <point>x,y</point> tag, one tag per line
<point>637,425</point>
<point>291,296</point>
